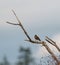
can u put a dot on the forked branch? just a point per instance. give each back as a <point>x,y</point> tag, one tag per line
<point>19,23</point>
<point>52,42</point>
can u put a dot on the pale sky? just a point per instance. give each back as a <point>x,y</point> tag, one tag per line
<point>40,17</point>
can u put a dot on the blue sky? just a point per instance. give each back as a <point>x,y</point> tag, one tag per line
<point>40,17</point>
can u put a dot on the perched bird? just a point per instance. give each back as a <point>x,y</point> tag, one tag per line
<point>37,38</point>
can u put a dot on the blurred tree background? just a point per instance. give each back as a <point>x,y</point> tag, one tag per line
<point>25,58</point>
<point>5,61</point>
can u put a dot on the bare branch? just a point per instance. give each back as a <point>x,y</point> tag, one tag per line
<point>50,39</point>
<point>35,42</point>
<point>20,25</point>
<point>16,17</point>
<point>11,23</point>
<point>50,51</point>
<point>52,42</point>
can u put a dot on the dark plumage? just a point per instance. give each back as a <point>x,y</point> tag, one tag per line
<point>37,38</point>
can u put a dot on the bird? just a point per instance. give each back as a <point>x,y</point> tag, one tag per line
<point>37,38</point>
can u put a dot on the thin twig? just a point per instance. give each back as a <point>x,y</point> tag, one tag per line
<point>50,39</point>
<point>12,23</point>
<point>52,42</point>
